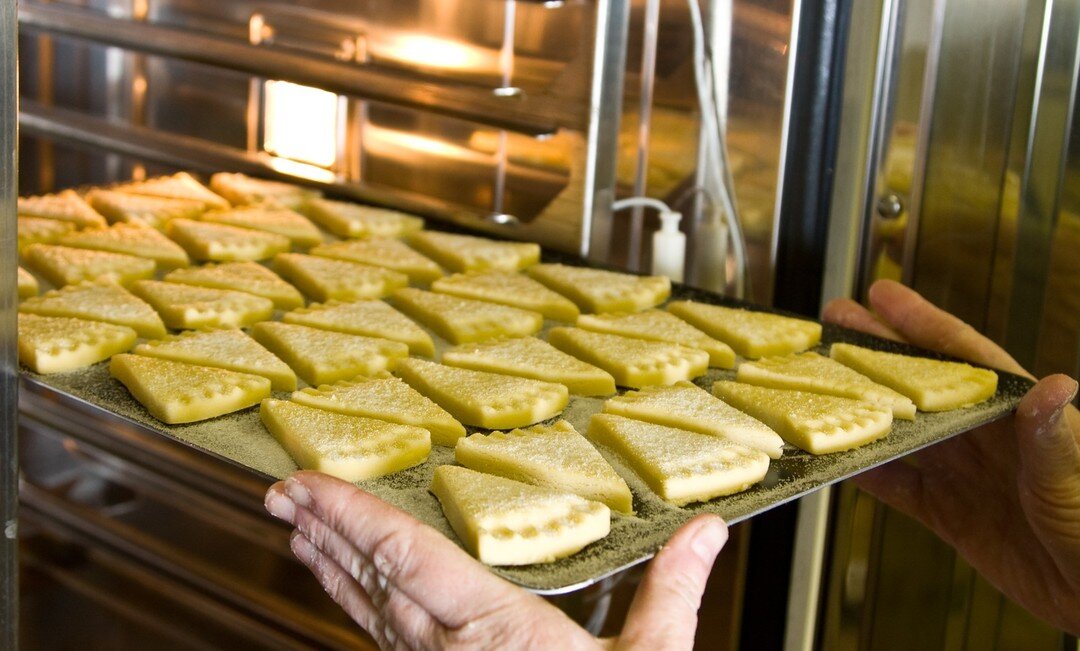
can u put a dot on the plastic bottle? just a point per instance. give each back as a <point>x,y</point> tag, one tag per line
<point>669,247</point>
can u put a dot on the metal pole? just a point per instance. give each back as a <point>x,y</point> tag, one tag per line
<point>9,462</point>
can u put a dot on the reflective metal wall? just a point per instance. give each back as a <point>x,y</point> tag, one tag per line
<point>971,198</point>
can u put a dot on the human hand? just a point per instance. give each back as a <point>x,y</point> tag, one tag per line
<point>1005,495</point>
<point>412,588</point>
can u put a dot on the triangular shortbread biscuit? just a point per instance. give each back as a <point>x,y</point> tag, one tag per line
<point>250,277</point>
<point>133,239</point>
<point>488,400</point>
<point>556,456</point>
<point>505,522</point>
<point>680,466</point>
<point>658,325</point>
<point>175,392</point>
<point>632,362</point>
<point>814,422</point>
<point>27,284</point>
<point>687,406</point>
<point>98,301</point>
<point>470,253</point>
<point>230,349</point>
<point>224,243</point>
<point>178,186</point>
<point>509,288</point>
<point>532,358</point>
<point>144,209</point>
<point>324,279</point>
<point>355,220</point>
<point>65,206</point>
<point>934,385</point>
<point>597,290</point>
<point>371,318</point>
<point>49,344</point>
<point>383,252</point>
<point>40,230</point>
<point>323,356</point>
<point>63,265</point>
<point>352,448</point>
<point>463,320</point>
<point>386,399</point>
<point>751,334</point>
<point>817,374</point>
<point>242,189</point>
<point>186,307</point>
<point>270,218</point>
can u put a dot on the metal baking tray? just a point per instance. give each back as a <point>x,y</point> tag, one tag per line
<point>240,439</point>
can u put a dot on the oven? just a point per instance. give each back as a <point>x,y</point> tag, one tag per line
<point>844,155</point>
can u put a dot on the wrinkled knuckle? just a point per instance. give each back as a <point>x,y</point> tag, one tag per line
<point>1055,510</point>
<point>332,582</point>
<point>313,529</point>
<point>392,554</point>
<point>338,511</point>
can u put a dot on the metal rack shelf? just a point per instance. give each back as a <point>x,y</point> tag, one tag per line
<point>531,115</point>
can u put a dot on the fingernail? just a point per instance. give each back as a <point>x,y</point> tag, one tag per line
<point>709,539</point>
<point>1049,426</point>
<point>280,506</point>
<point>303,548</point>
<point>297,492</point>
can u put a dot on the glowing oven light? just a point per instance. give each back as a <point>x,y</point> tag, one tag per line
<point>432,52</point>
<point>300,123</point>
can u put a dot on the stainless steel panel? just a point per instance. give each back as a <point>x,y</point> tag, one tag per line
<point>1041,190</point>
<point>9,461</point>
<point>966,159</point>
<point>970,210</point>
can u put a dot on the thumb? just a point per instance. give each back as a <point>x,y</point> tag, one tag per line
<point>664,612</point>
<point>1048,436</point>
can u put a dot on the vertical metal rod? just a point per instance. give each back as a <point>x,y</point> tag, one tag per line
<point>506,70</point>
<point>605,109</point>
<point>649,39</point>
<point>9,459</point>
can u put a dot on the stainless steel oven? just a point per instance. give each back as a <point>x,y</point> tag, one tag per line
<point>849,160</point>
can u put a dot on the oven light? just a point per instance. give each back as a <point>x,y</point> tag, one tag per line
<point>431,52</point>
<point>300,123</point>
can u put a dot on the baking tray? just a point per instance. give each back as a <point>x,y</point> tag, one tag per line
<point>240,439</point>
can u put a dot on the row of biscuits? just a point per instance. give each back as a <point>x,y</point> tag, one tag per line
<point>491,337</point>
